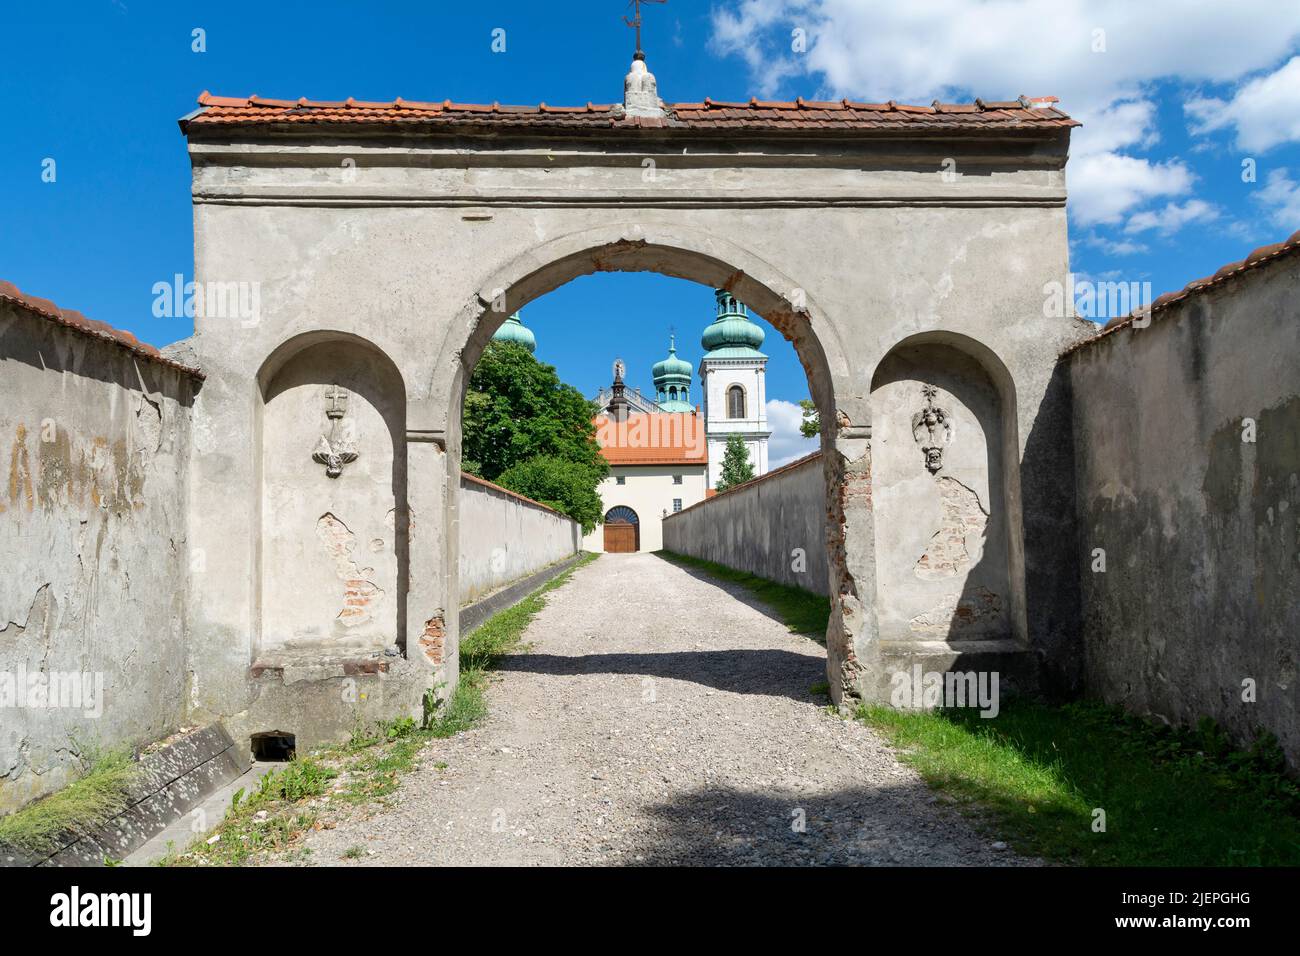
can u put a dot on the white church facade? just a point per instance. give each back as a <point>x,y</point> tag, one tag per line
<point>665,452</point>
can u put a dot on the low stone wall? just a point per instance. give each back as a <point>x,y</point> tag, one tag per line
<point>94,439</point>
<point>1187,437</point>
<point>773,526</point>
<point>505,536</point>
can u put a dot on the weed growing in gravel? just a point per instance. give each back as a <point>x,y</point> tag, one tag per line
<point>480,652</point>
<point>801,611</point>
<point>1037,773</point>
<point>277,813</point>
<point>368,768</point>
<point>96,796</point>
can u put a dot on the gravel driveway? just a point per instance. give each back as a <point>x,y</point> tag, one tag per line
<point>659,717</point>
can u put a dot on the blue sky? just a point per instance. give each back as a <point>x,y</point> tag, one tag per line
<point>1176,95</point>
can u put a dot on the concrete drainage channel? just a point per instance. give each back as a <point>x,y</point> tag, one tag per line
<point>183,788</point>
<point>472,615</point>
<point>198,771</point>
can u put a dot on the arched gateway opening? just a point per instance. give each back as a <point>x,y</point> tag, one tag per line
<point>419,228</point>
<point>711,261</point>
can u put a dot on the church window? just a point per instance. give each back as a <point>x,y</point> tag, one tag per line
<point>677,505</point>
<point>735,402</point>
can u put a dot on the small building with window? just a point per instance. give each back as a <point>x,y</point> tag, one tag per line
<point>658,460</point>
<point>665,453</point>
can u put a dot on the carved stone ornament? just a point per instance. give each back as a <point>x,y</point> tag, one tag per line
<point>335,449</point>
<point>932,429</point>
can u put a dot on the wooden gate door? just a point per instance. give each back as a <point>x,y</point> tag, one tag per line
<point>620,537</point>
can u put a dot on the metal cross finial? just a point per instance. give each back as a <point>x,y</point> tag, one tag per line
<point>635,22</point>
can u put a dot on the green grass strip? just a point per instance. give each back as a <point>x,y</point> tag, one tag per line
<point>1036,775</point>
<point>803,612</point>
<point>87,803</point>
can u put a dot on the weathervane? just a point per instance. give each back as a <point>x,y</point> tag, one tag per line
<point>635,22</point>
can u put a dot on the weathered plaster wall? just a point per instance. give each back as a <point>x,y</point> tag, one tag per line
<point>1200,529</point>
<point>943,526</point>
<point>94,442</point>
<point>409,245</point>
<point>505,537</point>
<point>330,547</point>
<point>774,526</point>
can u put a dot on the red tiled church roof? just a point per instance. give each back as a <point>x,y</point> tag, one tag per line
<point>1020,114</point>
<point>72,319</point>
<point>660,438</point>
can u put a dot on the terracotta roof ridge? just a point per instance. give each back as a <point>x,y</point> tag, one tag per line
<point>1257,257</point>
<point>72,319</point>
<point>208,99</point>
<point>513,494</point>
<point>788,466</point>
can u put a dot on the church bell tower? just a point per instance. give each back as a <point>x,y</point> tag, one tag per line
<point>734,375</point>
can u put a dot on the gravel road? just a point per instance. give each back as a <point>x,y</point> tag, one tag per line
<point>659,717</point>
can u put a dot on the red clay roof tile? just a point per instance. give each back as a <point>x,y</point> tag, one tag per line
<point>72,319</point>
<point>1022,114</point>
<point>660,438</point>
<point>1261,256</point>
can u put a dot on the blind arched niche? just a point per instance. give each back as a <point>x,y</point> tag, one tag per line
<point>333,558</point>
<point>945,494</point>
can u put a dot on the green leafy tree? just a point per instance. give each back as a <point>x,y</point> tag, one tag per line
<point>811,426</point>
<point>736,469</point>
<point>517,408</point>
<point>517,411</point>
<point>566,486</point>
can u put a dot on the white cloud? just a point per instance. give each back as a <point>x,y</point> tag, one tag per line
<point>1172,217</point>
<point>1116,247</point>
<point>1105,186</point>
<point>1265,111</point>
<point>786,444</point>
<point>1281,199</point>
<point>878,50</point>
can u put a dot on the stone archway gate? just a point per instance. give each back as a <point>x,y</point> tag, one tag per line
<point>383,243</point>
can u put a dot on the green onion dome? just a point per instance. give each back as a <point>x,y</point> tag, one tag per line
<point>513,330</point>
<point>732,329</point>
<point>672,378</point>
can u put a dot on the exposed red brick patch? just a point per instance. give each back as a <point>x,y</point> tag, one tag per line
<point>433,639</point>
<point>367,666</point>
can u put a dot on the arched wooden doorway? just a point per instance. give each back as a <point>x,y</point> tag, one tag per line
<point>622,530</point>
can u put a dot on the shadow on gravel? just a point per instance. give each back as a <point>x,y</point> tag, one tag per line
<point>737,591</point>
<point>769,673</point>
<point>891,825</point>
